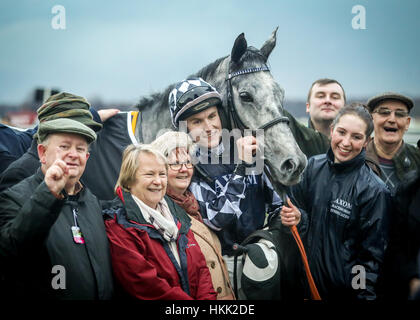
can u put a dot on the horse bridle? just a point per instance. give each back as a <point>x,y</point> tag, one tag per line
<point>240,125</point>
<point>237,122</point>
<point>231,104</point>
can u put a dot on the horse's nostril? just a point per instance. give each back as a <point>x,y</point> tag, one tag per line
<point>288,165</point>
<point>300,168</point>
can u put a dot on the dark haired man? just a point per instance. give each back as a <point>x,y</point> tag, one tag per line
<point>325,98</point>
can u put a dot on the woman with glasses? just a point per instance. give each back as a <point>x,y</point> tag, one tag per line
<point>153,250</point>
<point>340,209</point>
<point>390,112</point>
<point>177,147</point>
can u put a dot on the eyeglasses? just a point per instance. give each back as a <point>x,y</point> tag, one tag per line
<point>387,112</point>
<point>178,166</point>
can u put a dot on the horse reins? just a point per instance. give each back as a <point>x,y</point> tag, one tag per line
<point>238,123</point>
<point>312,287</point>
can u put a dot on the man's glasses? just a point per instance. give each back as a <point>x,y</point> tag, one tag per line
<point>387,112</point>
<point>178,166</point>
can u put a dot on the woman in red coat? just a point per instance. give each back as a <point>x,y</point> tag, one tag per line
<point>154,252</point>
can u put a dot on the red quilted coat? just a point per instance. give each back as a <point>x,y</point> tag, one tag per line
<point>142,262</point>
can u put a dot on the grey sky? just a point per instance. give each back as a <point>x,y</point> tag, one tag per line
<point>120,50</point>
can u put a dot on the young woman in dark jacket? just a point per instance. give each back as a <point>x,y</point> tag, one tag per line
<point>340,209</point>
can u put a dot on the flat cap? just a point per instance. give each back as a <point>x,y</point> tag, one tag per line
<point>374,101</point>
<point>65,125</point>
<point>67,105</point>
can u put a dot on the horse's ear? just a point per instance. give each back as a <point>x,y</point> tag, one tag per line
<point>239,48</point>
<point>269,45</point>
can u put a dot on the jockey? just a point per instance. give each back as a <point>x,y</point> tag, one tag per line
<point>234,199</point>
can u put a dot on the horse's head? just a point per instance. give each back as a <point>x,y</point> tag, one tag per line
<point>257,99</point>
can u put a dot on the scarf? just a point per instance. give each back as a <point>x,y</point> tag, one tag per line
<point>187,201</point>
<point>161,218</point>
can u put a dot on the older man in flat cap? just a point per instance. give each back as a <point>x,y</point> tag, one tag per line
<point>390,112</point>
<point>58,106</point>
<point>52,237</point>
<point>399,162</point>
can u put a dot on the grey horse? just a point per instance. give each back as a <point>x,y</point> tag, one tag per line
<point>244,81</point>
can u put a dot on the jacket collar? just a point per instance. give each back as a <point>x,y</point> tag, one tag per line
<point>223,152</point>
<point>371,150</point>
<point>134,213</point>
<point>39,175</point>
<point>33,149</point>
<point>346,166</point>
<point>203,154</point>
<point>311,124</point>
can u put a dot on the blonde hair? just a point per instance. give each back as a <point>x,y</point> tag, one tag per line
<point>131,162</point>
<point>172,140</point>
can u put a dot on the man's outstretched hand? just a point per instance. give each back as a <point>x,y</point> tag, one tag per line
<point>105,114</point>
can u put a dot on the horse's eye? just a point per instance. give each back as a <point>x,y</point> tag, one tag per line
<point>246,97</point>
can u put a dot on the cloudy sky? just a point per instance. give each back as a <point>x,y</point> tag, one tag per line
<point>120,50</point>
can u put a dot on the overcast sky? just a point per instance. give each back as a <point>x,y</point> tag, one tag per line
<point>121,50</point>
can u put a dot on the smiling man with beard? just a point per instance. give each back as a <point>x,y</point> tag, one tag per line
<point>390,112</point>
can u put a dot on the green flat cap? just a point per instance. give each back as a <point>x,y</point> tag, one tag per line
<point>374,101</point>
<point>65,125</point>
<point>67,105</point>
